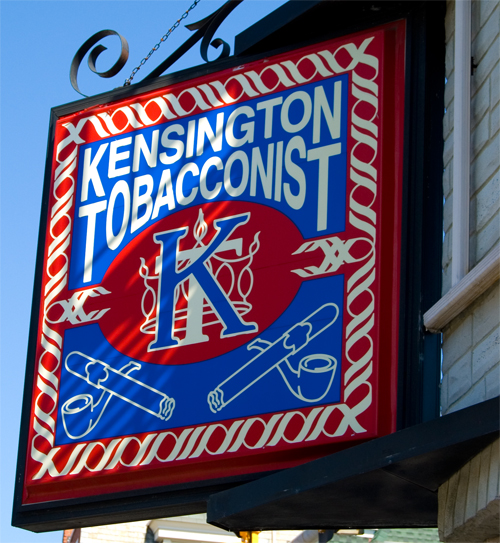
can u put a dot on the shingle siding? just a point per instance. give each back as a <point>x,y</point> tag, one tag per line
<point>469,502</point>
<point>471,350</point>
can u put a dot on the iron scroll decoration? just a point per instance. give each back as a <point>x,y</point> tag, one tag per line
<point>85,48</point>
<point>205,30</point>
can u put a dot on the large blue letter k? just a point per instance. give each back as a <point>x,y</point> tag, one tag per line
<point>202,285</point>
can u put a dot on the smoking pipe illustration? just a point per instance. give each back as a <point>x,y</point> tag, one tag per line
<point>312,379</point>
<point>112,382</point>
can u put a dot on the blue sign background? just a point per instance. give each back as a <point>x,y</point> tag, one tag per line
<point>190,384</point>
<point>304,218</point>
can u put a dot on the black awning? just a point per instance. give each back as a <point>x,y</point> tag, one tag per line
<point>390,482</point>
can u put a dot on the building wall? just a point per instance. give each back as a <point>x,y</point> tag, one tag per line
<point>130,532</point>
<point>194,529</point>
<point>469,502</point>
<point>471,342</point>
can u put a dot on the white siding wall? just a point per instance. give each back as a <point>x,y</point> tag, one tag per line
<point>471,342</point>
<point>469,501</point>
<point>130,532</point>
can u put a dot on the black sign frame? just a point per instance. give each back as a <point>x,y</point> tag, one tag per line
<point>419,351</point>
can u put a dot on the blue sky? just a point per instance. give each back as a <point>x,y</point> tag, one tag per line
<point>38,41</point>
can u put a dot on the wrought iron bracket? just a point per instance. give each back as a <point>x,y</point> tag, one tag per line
<point>205,30</point>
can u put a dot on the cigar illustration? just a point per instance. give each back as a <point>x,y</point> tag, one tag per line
<point>119,383</point>
<point>281,355</point>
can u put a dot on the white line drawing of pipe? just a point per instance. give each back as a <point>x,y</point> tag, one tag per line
<point>112,382</point>
<point>310,382</point>
<point>84,409</point>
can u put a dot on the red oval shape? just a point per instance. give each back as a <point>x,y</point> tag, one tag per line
<point>253,268</point>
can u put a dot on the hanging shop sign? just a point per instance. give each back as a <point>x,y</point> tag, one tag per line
<point>219,288</point>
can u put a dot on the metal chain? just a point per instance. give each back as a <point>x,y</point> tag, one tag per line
<point>157,46</point>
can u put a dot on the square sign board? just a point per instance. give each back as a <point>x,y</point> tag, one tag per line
<point>220,279</point>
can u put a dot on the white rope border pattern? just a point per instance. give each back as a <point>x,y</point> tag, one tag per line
<point>192,442</point>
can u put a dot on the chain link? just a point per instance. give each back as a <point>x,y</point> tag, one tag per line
<point>157,46</point>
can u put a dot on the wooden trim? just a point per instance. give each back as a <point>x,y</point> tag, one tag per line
<point>458,298</point>
<point>461,143</point>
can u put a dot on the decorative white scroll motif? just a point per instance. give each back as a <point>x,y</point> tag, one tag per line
<point>336,252</point>
<point>72,309</point>
<point>212,439</point>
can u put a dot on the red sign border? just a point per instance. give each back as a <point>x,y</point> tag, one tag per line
<point>387,286</point>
